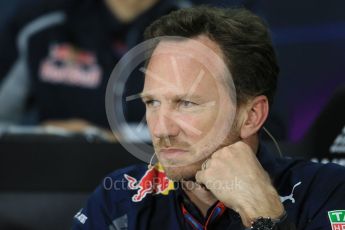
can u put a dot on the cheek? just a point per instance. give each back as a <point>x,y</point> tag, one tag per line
<point>150,120</point>
<point>196,126</point>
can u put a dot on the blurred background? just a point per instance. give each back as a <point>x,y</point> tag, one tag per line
<point>55,61</point>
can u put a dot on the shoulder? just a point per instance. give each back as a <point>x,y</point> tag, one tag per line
<point>110,200</point>
<point>328,176</point>
<point>328,181</point>
<point>309,191</point>
<point>323,178</point>
<point>36,13</point>
<point>324,195</point>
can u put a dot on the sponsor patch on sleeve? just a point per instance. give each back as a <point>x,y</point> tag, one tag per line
<point>337,219</point>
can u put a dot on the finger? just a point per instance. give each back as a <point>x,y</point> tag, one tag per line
<point>205,164</point>
<point>200,177</point>
<point>202,181</point>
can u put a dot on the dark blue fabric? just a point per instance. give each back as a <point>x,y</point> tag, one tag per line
<point>88,26</point>
<point>318,189</point>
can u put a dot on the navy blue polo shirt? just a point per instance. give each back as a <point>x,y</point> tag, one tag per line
<point>309,192</point>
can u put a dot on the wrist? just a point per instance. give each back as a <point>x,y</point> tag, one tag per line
<point>248,214</point>
<point>267,223</point>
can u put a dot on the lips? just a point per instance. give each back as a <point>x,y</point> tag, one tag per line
<point>172,152</point>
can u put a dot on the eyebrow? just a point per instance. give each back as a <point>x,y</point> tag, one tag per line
<point>144,95</point>
<point>176,97</point>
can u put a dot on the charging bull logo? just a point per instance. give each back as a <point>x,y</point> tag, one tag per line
<point>66,64</point>
<point>154,181</point>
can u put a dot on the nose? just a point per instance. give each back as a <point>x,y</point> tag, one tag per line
<point>165,125</point>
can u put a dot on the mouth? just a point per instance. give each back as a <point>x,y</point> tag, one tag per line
<point>172,152</point>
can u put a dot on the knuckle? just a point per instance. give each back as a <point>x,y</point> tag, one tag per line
<point>198,176</point>
<point>209,163</point>
<point>215,154</point>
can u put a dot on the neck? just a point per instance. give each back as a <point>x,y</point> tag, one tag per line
<point>253,142</point>
<point>202,198</point>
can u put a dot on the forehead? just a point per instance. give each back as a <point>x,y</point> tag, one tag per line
<point>200,50</point>
<point>184,64</point>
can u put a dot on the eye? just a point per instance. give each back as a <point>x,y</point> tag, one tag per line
<point>152,103</point>
<point>187,104</point>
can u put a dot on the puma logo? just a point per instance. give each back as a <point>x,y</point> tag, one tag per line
<point>290,197</point>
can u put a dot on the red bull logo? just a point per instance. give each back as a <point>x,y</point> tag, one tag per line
<point>154,181</point>
<point>66,64</point>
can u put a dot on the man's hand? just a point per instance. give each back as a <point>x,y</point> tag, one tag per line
<point>234,175</point>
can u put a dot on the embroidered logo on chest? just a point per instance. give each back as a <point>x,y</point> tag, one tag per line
<point>154,181</point>
<point>68,65</point>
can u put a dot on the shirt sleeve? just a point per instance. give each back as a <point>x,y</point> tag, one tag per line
<point>331,213</point>
<point>95,215</point>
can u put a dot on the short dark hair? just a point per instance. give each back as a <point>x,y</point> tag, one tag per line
<point>243,38</point>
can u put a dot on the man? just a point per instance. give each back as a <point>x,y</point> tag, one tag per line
<point>213,173</point>
<point>56,58</point>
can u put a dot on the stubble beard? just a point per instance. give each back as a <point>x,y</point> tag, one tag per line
<point>185,171</point>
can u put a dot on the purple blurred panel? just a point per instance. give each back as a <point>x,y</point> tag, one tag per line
<point>309,107</point>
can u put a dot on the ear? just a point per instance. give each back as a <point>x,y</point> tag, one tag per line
<point>255,114</point>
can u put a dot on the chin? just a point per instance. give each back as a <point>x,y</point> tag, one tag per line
<point>186,172</point>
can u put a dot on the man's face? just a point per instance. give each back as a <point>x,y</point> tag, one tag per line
<point>188,106</point>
